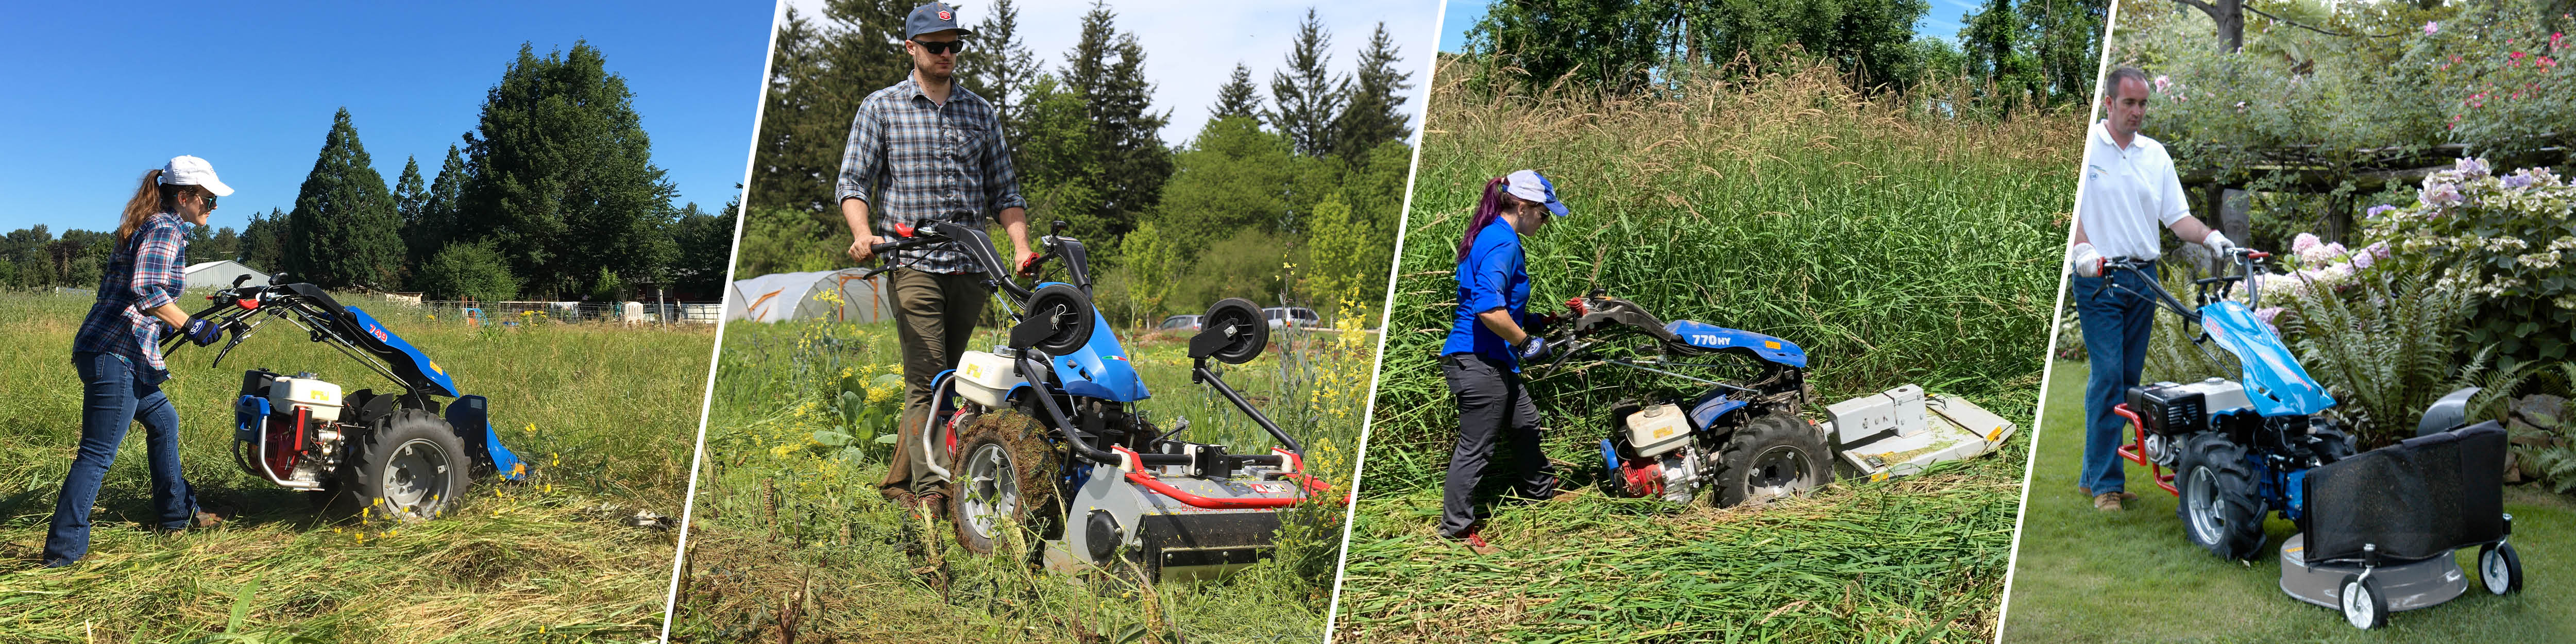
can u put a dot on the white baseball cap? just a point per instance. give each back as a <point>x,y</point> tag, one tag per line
<point>1530,187</point>
<point>185,170</point>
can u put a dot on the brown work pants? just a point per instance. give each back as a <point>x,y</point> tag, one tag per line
<point>935,319</point>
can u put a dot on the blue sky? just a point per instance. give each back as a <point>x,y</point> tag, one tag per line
<point>1943,21</point>
<point>100,92</point>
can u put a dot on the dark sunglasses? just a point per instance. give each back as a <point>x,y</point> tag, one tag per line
<point>210,201</point>
<point>936,47</point>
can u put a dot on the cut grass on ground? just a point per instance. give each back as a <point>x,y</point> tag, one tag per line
<point>791,536</point>
<point>2086,575</point>
<point>606,415</point>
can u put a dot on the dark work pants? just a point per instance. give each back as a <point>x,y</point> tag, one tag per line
<point>935,319</point>
<point>1492,403</point>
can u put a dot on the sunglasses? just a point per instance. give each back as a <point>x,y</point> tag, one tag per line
<point>937,47</point>
<point>210,201</point>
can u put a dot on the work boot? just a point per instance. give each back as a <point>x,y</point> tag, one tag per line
<point>1475,542</point>
<point>2107,501</point>
<point>901,498</point>
<point>2125,495</point>
<point>198,521</point>
<point>934,503</point>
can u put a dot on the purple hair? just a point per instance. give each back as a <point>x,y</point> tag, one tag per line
<point>1486,210</point>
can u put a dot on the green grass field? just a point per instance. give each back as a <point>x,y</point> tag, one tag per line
<point>606,414</point>
<point>790,535</point>
<point>1894,246</point>
<point>2086,575</point>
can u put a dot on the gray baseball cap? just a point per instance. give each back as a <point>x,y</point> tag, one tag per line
<point>933,17</point>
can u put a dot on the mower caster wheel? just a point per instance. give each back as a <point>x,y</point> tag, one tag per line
<point>412,466</point>
<point>1773,456</point>
<point>2500,569</point>
<point>2363,607</point>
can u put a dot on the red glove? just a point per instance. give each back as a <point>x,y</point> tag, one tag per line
<point>1029,265</point>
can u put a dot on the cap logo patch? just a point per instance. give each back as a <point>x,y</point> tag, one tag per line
<point>944,16</point>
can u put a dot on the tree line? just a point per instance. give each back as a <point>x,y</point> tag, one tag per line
<point>2018,52</point>
<point>553,195</point>
<point>1290,185</point>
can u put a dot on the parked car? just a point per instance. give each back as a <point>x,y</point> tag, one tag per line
<point>1180,322</point>
<point>1291,316</point>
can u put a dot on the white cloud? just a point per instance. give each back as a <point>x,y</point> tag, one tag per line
<point>1191,45</point>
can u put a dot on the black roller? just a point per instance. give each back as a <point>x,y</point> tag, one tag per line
<point>1057,321</point>
<point>1232,332</point>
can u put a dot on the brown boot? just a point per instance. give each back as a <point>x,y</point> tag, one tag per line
<point>2107,501</point>
<point>198,521</point>
<point>934,503</point>
<point>1475,542</point>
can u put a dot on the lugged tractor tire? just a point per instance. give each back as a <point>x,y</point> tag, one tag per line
<point>411,466</point>
<point>1775,455</point>
<point>2219,509</point>
<point>1004,469</point>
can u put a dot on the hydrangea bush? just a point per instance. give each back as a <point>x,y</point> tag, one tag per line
<point>2504,237</point>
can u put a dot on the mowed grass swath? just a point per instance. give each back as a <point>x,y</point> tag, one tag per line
<point>605,414</point>
<point>790,534</point>
<point>1891,242</point>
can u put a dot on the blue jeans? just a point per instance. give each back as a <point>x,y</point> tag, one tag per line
<point>2116,326</point>
<point>113,396</point>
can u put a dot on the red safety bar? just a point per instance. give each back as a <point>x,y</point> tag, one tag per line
<point>2137,452</point>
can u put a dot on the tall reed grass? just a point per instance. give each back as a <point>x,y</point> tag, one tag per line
<point>1893,242</point>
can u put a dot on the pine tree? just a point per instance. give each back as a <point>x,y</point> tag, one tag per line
<point>1307,95</point>
<point>999,67</point>
<point>1107,70</point>
<point>818,75</point>
<point>564,182</point>
<point>263,244</point>
<point>1376,112</point>
<point>1238,97</point>
<point>341,232</point>
<point>439,206</point>
<point>411,195</point>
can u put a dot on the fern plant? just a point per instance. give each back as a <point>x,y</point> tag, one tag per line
<point>2385,344</point>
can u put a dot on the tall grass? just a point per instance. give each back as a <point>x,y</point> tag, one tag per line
<point>792,538</point>
<point>606,414</point>
<point>1894,244</point>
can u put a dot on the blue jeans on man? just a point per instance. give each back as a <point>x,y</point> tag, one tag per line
<point>2116,323</point>
<point>113,397</point>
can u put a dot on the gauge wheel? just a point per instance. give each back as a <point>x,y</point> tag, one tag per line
<point>1239,317</point>
<point>1775,456</point>
<point>1005,473</point>
<point>411,467</point>
<point>2219,510</point>
<point>2363,607</point>
<point>2499,568</point>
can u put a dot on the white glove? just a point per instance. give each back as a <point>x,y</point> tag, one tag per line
<point>2086,261</point>
<point>2218,243</point>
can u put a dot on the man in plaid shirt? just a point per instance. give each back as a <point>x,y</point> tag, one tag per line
<point>925,151</point>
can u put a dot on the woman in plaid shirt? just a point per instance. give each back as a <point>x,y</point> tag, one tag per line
<point>118,355</point>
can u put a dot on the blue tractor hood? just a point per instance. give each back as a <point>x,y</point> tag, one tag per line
<point>417,370</point>
<point>1100,368</point>
<point>1718,338</point>
<point>2273,379</point>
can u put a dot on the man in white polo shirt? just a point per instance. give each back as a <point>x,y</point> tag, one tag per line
<point>2129,188</point>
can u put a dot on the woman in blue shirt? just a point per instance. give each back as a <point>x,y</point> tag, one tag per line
<point>1487,342</point>
<point>118,355</point>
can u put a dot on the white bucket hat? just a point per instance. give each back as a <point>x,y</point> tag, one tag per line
<point>185,170</point>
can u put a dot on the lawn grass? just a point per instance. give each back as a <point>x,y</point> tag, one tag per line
<point>2085,575</point>
<point>1894,246</point>
<point>789,536</point>
<point>606,414</point>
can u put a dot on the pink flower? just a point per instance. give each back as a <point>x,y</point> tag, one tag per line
<point>2431,27</point>
<point>2163,81</point>
<point>2267,313</point>
<point>2302,243</point>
